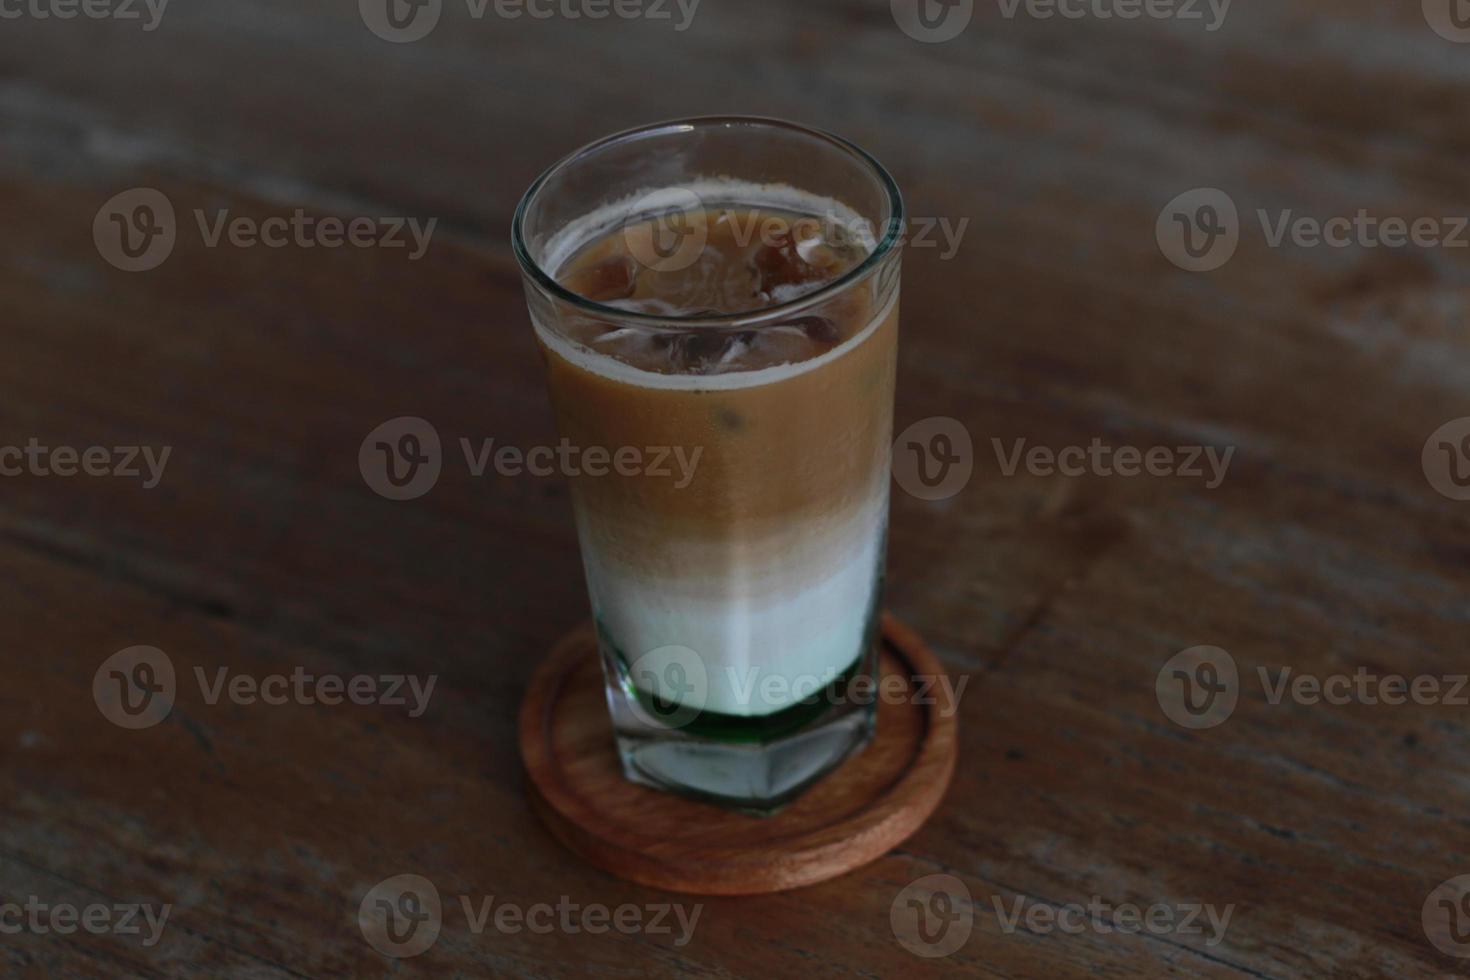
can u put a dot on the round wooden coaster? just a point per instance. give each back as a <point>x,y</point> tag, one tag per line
<point>857,813</point>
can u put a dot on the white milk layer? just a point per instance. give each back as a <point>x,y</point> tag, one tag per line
<point>734,647</point>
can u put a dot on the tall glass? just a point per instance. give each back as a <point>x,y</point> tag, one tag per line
<point>735,587</point>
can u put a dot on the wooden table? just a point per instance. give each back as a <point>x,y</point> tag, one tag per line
<point>1059,321</point>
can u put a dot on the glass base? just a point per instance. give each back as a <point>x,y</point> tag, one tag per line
<point>753,764</point>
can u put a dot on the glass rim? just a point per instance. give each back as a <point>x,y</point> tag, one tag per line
<point>545,281</point>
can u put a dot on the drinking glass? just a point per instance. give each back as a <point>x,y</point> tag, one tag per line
<point>736,588</point>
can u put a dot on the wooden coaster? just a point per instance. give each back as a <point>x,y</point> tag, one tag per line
<point>869,805</point>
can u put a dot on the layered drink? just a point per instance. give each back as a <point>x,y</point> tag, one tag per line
<point>747,329</point>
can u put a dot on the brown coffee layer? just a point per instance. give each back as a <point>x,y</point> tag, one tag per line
<point>784,428</point>
<point>810,446</point>
<point>779,561</point>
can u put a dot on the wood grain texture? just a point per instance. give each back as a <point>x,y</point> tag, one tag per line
<point>1057,321</point>
<point>865,808</point>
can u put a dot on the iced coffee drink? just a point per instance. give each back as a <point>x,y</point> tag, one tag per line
<point>749,328</point>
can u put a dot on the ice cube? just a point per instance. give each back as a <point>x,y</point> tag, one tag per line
<point>612,279</point>
<point>778,263</point>
<point>819,329</point>
<point>707,351</point>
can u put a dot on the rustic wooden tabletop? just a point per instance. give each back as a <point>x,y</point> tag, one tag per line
<point>1124,242</point>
